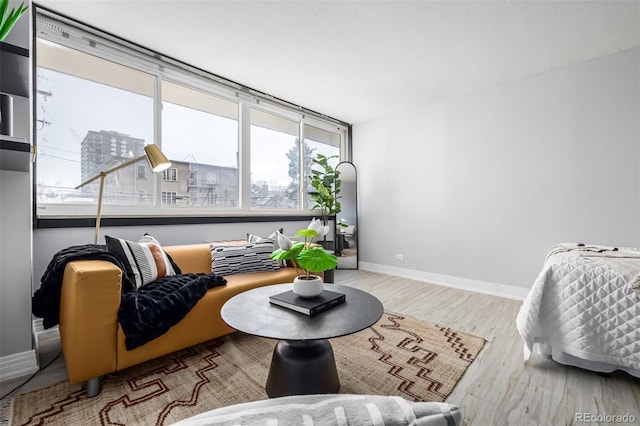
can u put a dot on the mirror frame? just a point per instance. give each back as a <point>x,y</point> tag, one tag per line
<point>355,209</point>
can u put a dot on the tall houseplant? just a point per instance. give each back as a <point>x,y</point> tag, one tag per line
<point>325,181</point>
<point>9,18</point>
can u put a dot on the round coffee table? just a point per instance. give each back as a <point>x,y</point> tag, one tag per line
<point>303,361</point>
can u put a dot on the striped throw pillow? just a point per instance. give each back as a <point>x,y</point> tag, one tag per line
<point>144,261</point>
<point>253,257</point>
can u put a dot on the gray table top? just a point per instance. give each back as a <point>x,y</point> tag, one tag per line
<point>252,313</point>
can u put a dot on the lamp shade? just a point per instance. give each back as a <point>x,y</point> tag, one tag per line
<point>157,159</point>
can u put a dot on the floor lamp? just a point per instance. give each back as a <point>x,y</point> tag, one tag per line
<point>157,161</point>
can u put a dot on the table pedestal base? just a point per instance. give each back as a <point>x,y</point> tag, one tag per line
<point>302,367</point>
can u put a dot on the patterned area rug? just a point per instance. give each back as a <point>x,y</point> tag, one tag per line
<point>397,356</point>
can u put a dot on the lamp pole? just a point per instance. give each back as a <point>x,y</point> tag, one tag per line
<point>157,161</point>
<point>102,175</point>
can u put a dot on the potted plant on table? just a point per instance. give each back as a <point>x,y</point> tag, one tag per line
<point>307,259</point>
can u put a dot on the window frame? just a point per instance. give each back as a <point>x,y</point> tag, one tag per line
<point>170,175</point>
<point>91,41</point>
<point>143,169</point>
<point>168,198</point>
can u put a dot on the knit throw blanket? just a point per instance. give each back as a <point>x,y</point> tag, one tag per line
<point>145,313</point>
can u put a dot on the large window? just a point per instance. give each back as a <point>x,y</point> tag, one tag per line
<point>200,136</point>
<point>318,141</point>
<point>275,161</point>
<point>101,100</point>
<point>82,127</point>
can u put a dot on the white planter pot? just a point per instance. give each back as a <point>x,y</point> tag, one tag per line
<point>308,288</point>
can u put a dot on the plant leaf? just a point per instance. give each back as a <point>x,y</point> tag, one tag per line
<point>297,246</point>
<point>4,5</point>
<point>7,24</point>
<point>309,233</point>
<point>316,259</point>
<point>280,254</point>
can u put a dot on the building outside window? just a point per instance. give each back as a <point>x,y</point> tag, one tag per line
<point>99,104</point>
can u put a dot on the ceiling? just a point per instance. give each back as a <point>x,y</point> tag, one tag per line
<point>358,60</point>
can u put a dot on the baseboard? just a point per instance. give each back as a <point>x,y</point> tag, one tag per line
<point>18,365</point>
<point>484,287</point>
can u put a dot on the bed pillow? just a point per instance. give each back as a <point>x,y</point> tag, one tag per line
<point>344,409</point>
<point>144,261</point>
<point>250,257</point>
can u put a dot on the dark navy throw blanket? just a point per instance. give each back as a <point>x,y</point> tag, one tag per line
<point>156,307</point>
<point>144,314</point>
<point>45,302</point>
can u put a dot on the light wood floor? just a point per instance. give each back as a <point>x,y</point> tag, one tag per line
<point>498,388</point>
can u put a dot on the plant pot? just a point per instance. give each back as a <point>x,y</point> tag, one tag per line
<point>308,288</point>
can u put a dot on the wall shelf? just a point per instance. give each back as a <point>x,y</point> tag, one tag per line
<point>15,154</point>
<point>14,70</point>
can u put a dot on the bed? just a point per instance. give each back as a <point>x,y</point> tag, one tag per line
<point>584,308</point>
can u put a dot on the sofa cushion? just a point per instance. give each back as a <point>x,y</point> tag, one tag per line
<point>331,410</point>
<point>144,261</point>
<point>250,257</point>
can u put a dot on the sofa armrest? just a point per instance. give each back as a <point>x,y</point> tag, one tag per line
<point>89,304</point>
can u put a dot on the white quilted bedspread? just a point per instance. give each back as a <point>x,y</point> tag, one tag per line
<point>585,307</point>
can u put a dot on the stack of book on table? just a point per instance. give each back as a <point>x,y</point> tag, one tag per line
<point>308,306</point>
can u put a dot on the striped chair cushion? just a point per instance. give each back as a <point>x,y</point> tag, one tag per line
<point>144,261</point>
<point>251,257</point>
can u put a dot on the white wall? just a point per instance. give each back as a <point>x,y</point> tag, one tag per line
<point>17,356</point>
<point>15,260</point>
<point>47,242</point>
<point>481,186</point>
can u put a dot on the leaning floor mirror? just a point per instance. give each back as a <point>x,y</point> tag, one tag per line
<point>347,218</point>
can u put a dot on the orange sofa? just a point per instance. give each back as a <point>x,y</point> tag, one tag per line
<point>93,342</point>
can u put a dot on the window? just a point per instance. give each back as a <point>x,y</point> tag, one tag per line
<point>83,129</point>
<point>203,130</point>
<point>169,198</point>
<point>142,172</point>
<point>212,199</point>
<point>100,100</point>
<point>170,175</point>
<point>318,141</point>
<point>275,163</point>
